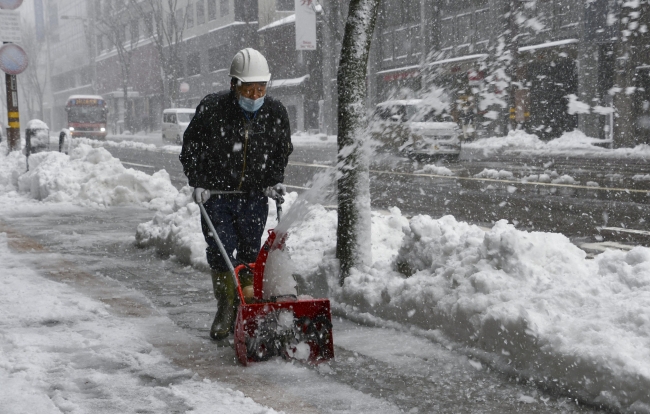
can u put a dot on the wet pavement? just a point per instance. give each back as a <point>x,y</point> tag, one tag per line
<point>376,369</point>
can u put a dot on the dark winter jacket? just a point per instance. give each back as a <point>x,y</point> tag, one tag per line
<point>225,150</point>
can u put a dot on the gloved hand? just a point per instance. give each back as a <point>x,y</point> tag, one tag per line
<point>275,191</point>
<point>200,195</point>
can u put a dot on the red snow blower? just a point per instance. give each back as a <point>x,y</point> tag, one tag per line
<point>287,326</point>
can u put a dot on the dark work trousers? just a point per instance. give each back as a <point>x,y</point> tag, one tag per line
<point>239,220</point>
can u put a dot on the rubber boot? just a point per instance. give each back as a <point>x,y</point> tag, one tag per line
<point>224,292</point>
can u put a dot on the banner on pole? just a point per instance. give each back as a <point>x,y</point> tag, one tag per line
<point>305,24</point>
<point>9,26</point>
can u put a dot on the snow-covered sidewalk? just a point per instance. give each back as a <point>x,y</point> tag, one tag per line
<point>65,352</point>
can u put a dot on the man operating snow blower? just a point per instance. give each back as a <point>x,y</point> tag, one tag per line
<point>235,151</point>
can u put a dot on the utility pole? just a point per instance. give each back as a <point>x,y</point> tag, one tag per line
<point>513,46</point>
<point>13,60</point>
<point>13,116</point>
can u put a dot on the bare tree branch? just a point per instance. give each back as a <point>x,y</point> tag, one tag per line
<point>167,34</point>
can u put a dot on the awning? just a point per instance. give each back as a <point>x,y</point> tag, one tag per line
<point>459,59</point>
<point>287,83</point>
<point>548,44</point>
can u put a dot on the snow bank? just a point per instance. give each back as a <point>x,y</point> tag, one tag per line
<point>530,299</point>
<point>531,304</point>
<point>494,174</point>
<point>574,143</point>
<point>434,169</point>
<point>69,354</point>
<point>115,144</point>
<point>176,229</point>
<point>88,176</point>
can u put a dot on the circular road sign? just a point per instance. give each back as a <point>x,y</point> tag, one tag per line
<point>13,59</point>
<point>10,4</point>
<point>184,87</point>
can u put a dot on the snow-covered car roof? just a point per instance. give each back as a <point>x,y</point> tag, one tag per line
<point>179,110</point>
<point>36,124</point>
<point>85,97</point>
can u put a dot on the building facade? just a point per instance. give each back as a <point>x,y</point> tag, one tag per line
<point>296,75</point>
<point>551,50</point>
<point>554,53</point>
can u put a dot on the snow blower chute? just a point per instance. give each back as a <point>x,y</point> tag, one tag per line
<point>289,326</point>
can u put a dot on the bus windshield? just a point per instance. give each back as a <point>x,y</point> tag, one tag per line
<point>87,114</point>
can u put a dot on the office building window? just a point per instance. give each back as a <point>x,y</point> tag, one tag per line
<point>212,9</point>
<point>200,12</point>
<point>179,69</point>
<point>100,43</point>
<point>285,5</point>
<point>180,18</point>
<point>53,14</point>
<point>148,24</point>
<point>218,58</point>
<point>387,46</point>
<point>224,8</point>
<point>135,30</point>
<point>193,64</point>
<point>189,16</point>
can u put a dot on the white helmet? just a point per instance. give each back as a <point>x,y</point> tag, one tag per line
<point>249,65</point>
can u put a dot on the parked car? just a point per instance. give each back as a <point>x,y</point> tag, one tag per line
<point>410,128</point>
<point>175,122</point>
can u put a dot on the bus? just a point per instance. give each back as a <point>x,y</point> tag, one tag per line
<point>87,116</point>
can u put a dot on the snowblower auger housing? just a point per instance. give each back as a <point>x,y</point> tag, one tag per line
<point>285,326</point>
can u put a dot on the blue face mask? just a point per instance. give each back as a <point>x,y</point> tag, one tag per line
<point>250,105</point>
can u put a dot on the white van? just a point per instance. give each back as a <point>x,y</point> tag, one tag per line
<point>408,127</point>
<point>175,122</point>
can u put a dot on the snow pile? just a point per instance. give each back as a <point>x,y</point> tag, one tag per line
<point>515,140</point>
<point>574,143</point>
<point>564,179</point>
<point>10,166</point>
<point>36,124</point>
<point>69,354</point>
<point>435,169</point>
<point>176,229</point>
<point>494,174</point>
<point>546,177</point>
<point>88,176</point>
<point>115,144</point>
<point>641,177</point>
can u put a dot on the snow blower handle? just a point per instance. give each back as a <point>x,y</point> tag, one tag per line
<point>278,206</point>
<point>222,250</point>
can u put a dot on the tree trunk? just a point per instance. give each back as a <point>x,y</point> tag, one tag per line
<point>353,232</point>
